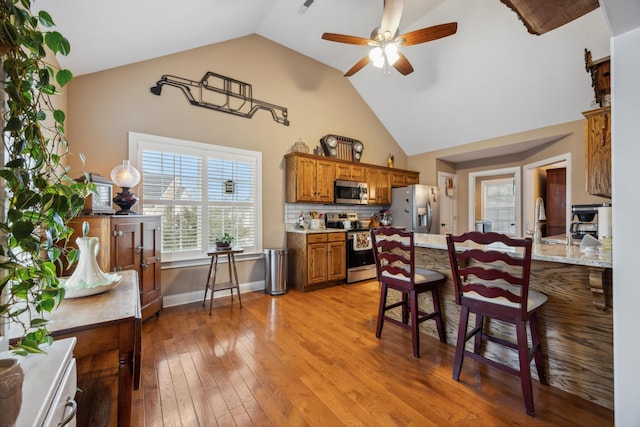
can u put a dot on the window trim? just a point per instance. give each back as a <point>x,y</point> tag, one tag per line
<point>137,139</point>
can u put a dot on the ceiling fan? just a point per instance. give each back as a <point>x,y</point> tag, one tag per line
<point>385,41</point>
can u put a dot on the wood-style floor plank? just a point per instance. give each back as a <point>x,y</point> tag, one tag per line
<point>312,359</point>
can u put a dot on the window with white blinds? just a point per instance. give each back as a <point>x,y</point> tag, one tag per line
<point>499,205</point>
<point>201,191</point>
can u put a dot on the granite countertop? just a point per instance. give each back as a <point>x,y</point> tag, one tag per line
<point>542,252</point>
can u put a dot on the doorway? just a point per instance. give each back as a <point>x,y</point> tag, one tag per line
<point>535,174</point>
<point>475,200</point>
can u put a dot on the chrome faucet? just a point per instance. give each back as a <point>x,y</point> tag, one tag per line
<point>540,218</point>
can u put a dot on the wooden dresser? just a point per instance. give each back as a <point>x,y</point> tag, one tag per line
<point>128,242</point>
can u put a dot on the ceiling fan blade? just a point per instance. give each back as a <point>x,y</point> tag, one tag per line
<point>429,33</point>
<point>391,16</point>
<point>403,65</point>
<point>359,66</point>
<point>341,38</point>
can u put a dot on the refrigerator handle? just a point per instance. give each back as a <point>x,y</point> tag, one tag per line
<point>429,216</point>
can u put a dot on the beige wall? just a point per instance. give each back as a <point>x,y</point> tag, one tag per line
<point>103,107</point>
<point>570,140</point>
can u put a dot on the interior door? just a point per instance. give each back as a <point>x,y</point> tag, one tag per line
<point>556,202</point>
<point>447,185</point>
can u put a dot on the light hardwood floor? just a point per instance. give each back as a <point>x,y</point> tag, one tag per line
<point>313,359</point>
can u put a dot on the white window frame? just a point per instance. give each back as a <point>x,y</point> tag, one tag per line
<point>140,141</point>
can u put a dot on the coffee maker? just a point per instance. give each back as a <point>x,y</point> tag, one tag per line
<point>584,220</point>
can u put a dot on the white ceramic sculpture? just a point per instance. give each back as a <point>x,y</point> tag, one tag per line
<point>88,278</point>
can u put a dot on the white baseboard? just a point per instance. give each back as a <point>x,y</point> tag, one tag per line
<point>196,296</point>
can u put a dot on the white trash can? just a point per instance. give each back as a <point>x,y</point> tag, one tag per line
<point>275,262</point>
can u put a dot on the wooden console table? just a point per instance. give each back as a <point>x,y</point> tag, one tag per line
<point>104,323</point>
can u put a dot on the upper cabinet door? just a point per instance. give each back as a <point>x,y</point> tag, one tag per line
<point>598,152</point>
<point>325,176</point>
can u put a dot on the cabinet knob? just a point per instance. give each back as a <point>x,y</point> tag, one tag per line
<point>144,265</point>
<point>139,249</point>
<point>117,233</point>
<point>117,268</point>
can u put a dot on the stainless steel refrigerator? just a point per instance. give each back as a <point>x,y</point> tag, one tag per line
<point>416,208</point>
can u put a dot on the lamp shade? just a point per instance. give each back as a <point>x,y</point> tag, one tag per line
<point>125,175</point>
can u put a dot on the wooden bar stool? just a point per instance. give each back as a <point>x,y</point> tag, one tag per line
<point>213,275</point>
<point>494,284</point>
<point>394,254</point>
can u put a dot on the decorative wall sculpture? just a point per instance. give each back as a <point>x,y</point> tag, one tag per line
<point>221,93</point>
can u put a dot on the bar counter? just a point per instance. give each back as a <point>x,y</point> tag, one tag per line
<point>576,322</point>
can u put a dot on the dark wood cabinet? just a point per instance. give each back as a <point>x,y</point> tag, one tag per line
<point>129,242</point>
<point>556,203</point>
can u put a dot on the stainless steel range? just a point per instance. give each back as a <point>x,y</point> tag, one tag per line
<point>360,262</point>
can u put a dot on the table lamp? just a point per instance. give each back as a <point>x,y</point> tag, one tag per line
<point>125,176</point>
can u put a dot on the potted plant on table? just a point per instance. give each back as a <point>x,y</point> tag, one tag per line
<point>39,196</point>
<point>223,241</point>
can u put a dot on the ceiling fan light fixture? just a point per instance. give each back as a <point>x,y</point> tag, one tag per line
<point>391,53</point>
<point>377,57</point>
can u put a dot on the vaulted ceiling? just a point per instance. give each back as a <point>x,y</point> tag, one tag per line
<point>492,78</point>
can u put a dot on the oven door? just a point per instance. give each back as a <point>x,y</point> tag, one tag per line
<point>360,262</point>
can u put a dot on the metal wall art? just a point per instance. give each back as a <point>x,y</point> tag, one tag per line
<point>221,93</point>
<point>342,148</point>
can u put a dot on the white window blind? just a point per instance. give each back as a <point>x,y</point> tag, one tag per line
<point>499,205</point>
<point>201,191</point>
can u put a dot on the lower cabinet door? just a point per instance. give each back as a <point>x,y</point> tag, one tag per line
<point>317,263</point>
<point>336,260</point>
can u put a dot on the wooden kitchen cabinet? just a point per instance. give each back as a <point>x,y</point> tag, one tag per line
<point>351,172</point>
<point>336,257</point>
<point>598,151</point>
<point>309,179</point>
<point>128,242</point>
<point>316,260</point>
<point>379,187</point>
<point>402,178</point>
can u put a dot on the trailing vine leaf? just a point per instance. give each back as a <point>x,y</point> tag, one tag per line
<point>41,197</point>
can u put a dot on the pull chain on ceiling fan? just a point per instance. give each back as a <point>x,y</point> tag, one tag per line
<point>386,43</point>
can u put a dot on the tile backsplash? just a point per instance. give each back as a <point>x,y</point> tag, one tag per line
<point>292,210</point>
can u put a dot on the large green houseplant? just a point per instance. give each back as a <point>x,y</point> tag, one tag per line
<point>39,197</point>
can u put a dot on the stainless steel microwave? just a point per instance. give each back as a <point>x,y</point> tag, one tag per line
<point>351,192</point>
